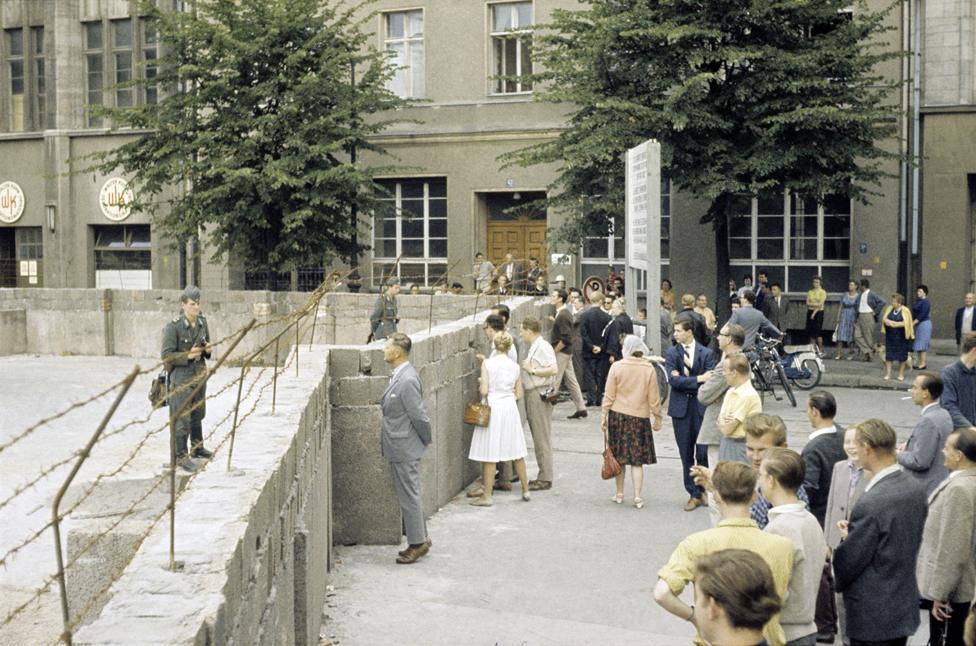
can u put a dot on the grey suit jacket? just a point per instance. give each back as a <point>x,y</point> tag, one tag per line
<point>710,394</point>
<point>922,457</point>
<point>406,426</point>
<point>776,314</point>
<point>838,507</point>
<point>875,566</point>
<point>946,566</point>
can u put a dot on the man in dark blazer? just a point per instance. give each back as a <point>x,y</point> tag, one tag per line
<point>921,455</point>
<point>824,449</point>
<point>874,566</point>
<point>776,306</point>
<point>593,323</point>
<point>688,365</point>
<point>404,438</point>
<point>966,317</point>
<point>616,330</point>
<point>699,327</point>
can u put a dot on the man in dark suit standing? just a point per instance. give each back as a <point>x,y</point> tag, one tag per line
<point>699,328</point>
<point>874,566</point>
<point>777,306</point>
<point>616,330</point>
<point>689,365</point>
<point>404,438</point>
<point>966,317</point>
<point>593,323</point>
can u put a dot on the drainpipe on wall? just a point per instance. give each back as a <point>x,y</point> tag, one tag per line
<point>906,45</point>
<point>916,119</point>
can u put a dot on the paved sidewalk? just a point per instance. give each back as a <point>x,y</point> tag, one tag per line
<point>569,567</point>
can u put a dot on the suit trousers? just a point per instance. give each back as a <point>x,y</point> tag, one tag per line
<point>597,368</point>
<point>952,628</point>
<point>567,374</point>
<point>406,481</point>
<point>540,425</point>
<point>864,333</point>
<point>686,435</point>
<point>825,613</point>
<point>714,515</point>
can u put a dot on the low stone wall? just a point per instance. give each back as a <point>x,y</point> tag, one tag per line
<point>366,509</point>
<point>130,322</point>
<point>255,541</point>
<point>13,332</point>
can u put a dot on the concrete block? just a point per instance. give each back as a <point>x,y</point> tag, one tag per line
<point>13,331</point>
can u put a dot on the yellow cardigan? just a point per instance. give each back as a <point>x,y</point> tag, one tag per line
<point>906,315</point>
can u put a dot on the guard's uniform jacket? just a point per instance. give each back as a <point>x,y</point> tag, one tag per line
<point>383,320</point>
<point>179,337</point>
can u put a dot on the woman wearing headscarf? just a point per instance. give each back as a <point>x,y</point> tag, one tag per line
<point>630,400</point>
<point>896,324</point>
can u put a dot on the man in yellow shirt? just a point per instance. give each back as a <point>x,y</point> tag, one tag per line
<point>741,400</point>
<point>734,485</point>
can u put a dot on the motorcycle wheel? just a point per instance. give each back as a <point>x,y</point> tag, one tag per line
<point>809,383</point>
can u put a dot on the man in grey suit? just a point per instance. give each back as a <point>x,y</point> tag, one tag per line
<point>874,566</point>
<point>752,320</point>
<point>946,566</point>
<point>776,306</point>
<point>405,436</point>
<point>920,454</point>
<point>383,321</point>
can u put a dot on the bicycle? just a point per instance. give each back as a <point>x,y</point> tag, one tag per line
<point>767,369</point>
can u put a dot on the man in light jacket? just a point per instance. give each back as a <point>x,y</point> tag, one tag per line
<point>946,567</point>
<point>404,438</point>
<point>920,454</point>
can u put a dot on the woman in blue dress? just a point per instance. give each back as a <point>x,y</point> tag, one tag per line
<point>899,331</point>
<point>846,320</point>
<point>923,326</point>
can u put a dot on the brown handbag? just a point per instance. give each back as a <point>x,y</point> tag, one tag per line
<point>611,468</point>
<point>477,413</point>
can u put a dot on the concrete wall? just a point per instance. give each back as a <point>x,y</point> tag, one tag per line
<point>255,542</point>
<point>13,332</point>
<point>366,508</point>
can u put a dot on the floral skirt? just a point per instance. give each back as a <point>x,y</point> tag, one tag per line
<point>631,439</point>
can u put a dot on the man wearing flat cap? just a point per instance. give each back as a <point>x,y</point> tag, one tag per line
<point>186,348</point>
<point>383,320</point>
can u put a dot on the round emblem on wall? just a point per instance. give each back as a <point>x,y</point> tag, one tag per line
<point>11,202</point>
<point>115,198</point>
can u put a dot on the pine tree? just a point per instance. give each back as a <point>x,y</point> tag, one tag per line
<point>745,98</point>
<point>264,104</point>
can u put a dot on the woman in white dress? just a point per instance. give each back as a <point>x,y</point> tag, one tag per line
<point>503,439</point>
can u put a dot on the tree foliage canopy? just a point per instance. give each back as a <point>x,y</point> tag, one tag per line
<point>252,138</point>
<point>745,97</point>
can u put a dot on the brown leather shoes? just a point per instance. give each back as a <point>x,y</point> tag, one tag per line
<point>539,485</point>
<point>411,554</point>
<point>429,543</point>
<point>693,504</point>
<point>502,486</point>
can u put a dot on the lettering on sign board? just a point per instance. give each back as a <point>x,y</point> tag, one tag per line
<point>11,202</point>
<point>115,199</point>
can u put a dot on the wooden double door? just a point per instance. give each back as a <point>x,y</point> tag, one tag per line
<point>519,232</point>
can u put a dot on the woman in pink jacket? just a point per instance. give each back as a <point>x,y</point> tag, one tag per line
<point>630,400</point>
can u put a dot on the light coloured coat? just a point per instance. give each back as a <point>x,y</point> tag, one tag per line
<point>946,566</point>
<point>838,507</point>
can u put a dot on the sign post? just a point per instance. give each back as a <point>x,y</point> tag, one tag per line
<point>643,235</point>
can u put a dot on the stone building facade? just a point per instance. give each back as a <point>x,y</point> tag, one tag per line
<point>58,56</point>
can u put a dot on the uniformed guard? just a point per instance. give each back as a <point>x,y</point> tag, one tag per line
<point>186,347</point>
<point>383,320</point>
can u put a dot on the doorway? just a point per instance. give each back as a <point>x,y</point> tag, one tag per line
<point>515,226</point>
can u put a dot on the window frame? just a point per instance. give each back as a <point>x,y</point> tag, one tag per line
<point>788,260</point>
<point>137,51</point>
<point>516,33</point>
<point>409,42</point>
<point>427,260</point>
<point>34,105</point>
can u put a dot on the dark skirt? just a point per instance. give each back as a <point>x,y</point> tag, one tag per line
<point>631,439</point>
<point>896,345</point>
<point>815,325</point>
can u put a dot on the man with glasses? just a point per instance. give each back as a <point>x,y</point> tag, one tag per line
<point>920,455</point>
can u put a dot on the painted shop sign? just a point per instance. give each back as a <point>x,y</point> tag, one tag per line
<point>115,198</point>
<point>11,202</point>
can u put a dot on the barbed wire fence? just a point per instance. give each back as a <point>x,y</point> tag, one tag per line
<point>252,388</point>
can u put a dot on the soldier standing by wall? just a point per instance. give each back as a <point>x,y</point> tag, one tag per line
<point>186,347</point>
<point>383,320</point>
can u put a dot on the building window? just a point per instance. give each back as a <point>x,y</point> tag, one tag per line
<point>511,47</point>
<point>26,71</point>
<point>600,252</point>
<point>116,53</point>
<point>793,239</point>
<point>123,256</point>
<point>21,257</point>
<point>413,229</point>
<point>404,39</point>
